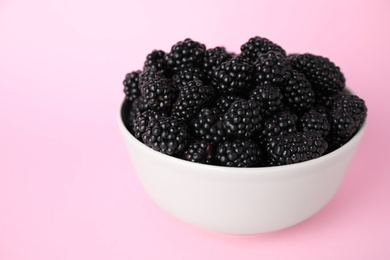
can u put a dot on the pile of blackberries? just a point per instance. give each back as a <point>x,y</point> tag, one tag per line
<point>260,107</point>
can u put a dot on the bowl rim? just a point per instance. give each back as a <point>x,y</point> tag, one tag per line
<point>241,170</point>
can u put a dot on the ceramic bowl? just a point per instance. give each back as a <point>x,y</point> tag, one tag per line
<point>238,200</point>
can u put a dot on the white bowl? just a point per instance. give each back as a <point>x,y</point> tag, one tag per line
<point>239,200</point>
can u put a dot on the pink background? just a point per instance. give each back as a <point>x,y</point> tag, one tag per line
<point>67,188</point>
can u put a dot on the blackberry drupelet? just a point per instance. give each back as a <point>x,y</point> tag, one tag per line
<point>142,120</point>
<point>213,59</point>
<point>156,89</point>
<point>324,75</point>
<point>256,46</point>
<point>280,123</point>
<point>183,76</point>
<point>192,97</point>
<point>207,124</point>
<point>239,153</point>
<point>268,97</point>
<point>155,60</point>
<point>270,68</point>
<point>130,84</point>
<point>185,53</point>
<point>314,120</point>
<point>347,116</point>
<point>242,119</point>
<point>298,93</point>
<point>295,147</point>
<point>199,151</point>
<point>167,135</point>
<point>233,76</point>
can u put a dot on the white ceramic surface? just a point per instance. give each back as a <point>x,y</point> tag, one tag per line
<point>239,200</point>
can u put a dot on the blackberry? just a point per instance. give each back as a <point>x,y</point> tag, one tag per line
<point>130,84</point>
<point>347,116</point>
<point>233,76</point>
<point>315,121</point>
<point>325,99</point>
<point>224,102</point>
<point>213,59</point>
<point>295,147</point>
<point>242,119</point>
<point>256,46</point>
<point>298,93</point>
<point>155,60</point>
<point>271,68</point>
<point>239,153</point>
<point>138,106</point>
<point>282,122</point>
<point>142,120</point>
<point>185,53</point>
<point>268,97</point>
<point>208,125</point>
<point>324,75</point>
<point>156,89</point>
<point>192,98</point>
<point>167,135</point>
<point>199,151</point>
<point>182,77</point>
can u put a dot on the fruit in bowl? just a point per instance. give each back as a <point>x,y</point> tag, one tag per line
<point>240,143</point>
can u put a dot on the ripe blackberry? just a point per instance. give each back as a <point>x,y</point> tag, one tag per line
<point>298,93</point>
<point>233,76</point>
<point>130,84</point>
<point>156,89</point>
<point>138,106</point>
<point>271,68</point>
<point>282,122</point>
<point>213,59</point>
<point>268,97</point>
<point>256,46</point>
<point>315,121</point>
<point>347,115</point>
<point>324,75</point>
<point>208,125</point>
<point>155,60</point>
<point>225,101</point>
<point>167,135</point>
<point>142,120</point>
<point>183,76</point>
<point>326,99</point>
<point>185,53</point>
<point>192,98</point>
<point>239,153</point>
<point>199,151</point>
<point>242,119</point>
<point>295,147</point>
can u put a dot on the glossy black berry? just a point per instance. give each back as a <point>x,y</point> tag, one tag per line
<point>167,135</point>
<point>142,120</point>
<point>242,119</point>
<point>256,46</point>
<point>347,115</point>
<point>184,54</point>
<point>270,68</point>
<point>183,76</point>
<point>199,151</point>
<point>225,101</point>
<point>192,97</point>
<point>268,97</point>
<point>156,60</point>
<point>130,84</point>
<point>298,92</point>
<point>239,153</point>
<point>314,120</point>
<point>280,123</point>
<point>207,124</point>
<point>324,75</point>
<point>213,59</point>
<point>295,147</point>
<point>233,76</point>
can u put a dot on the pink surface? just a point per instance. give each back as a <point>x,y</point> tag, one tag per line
<point>67,189</point>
